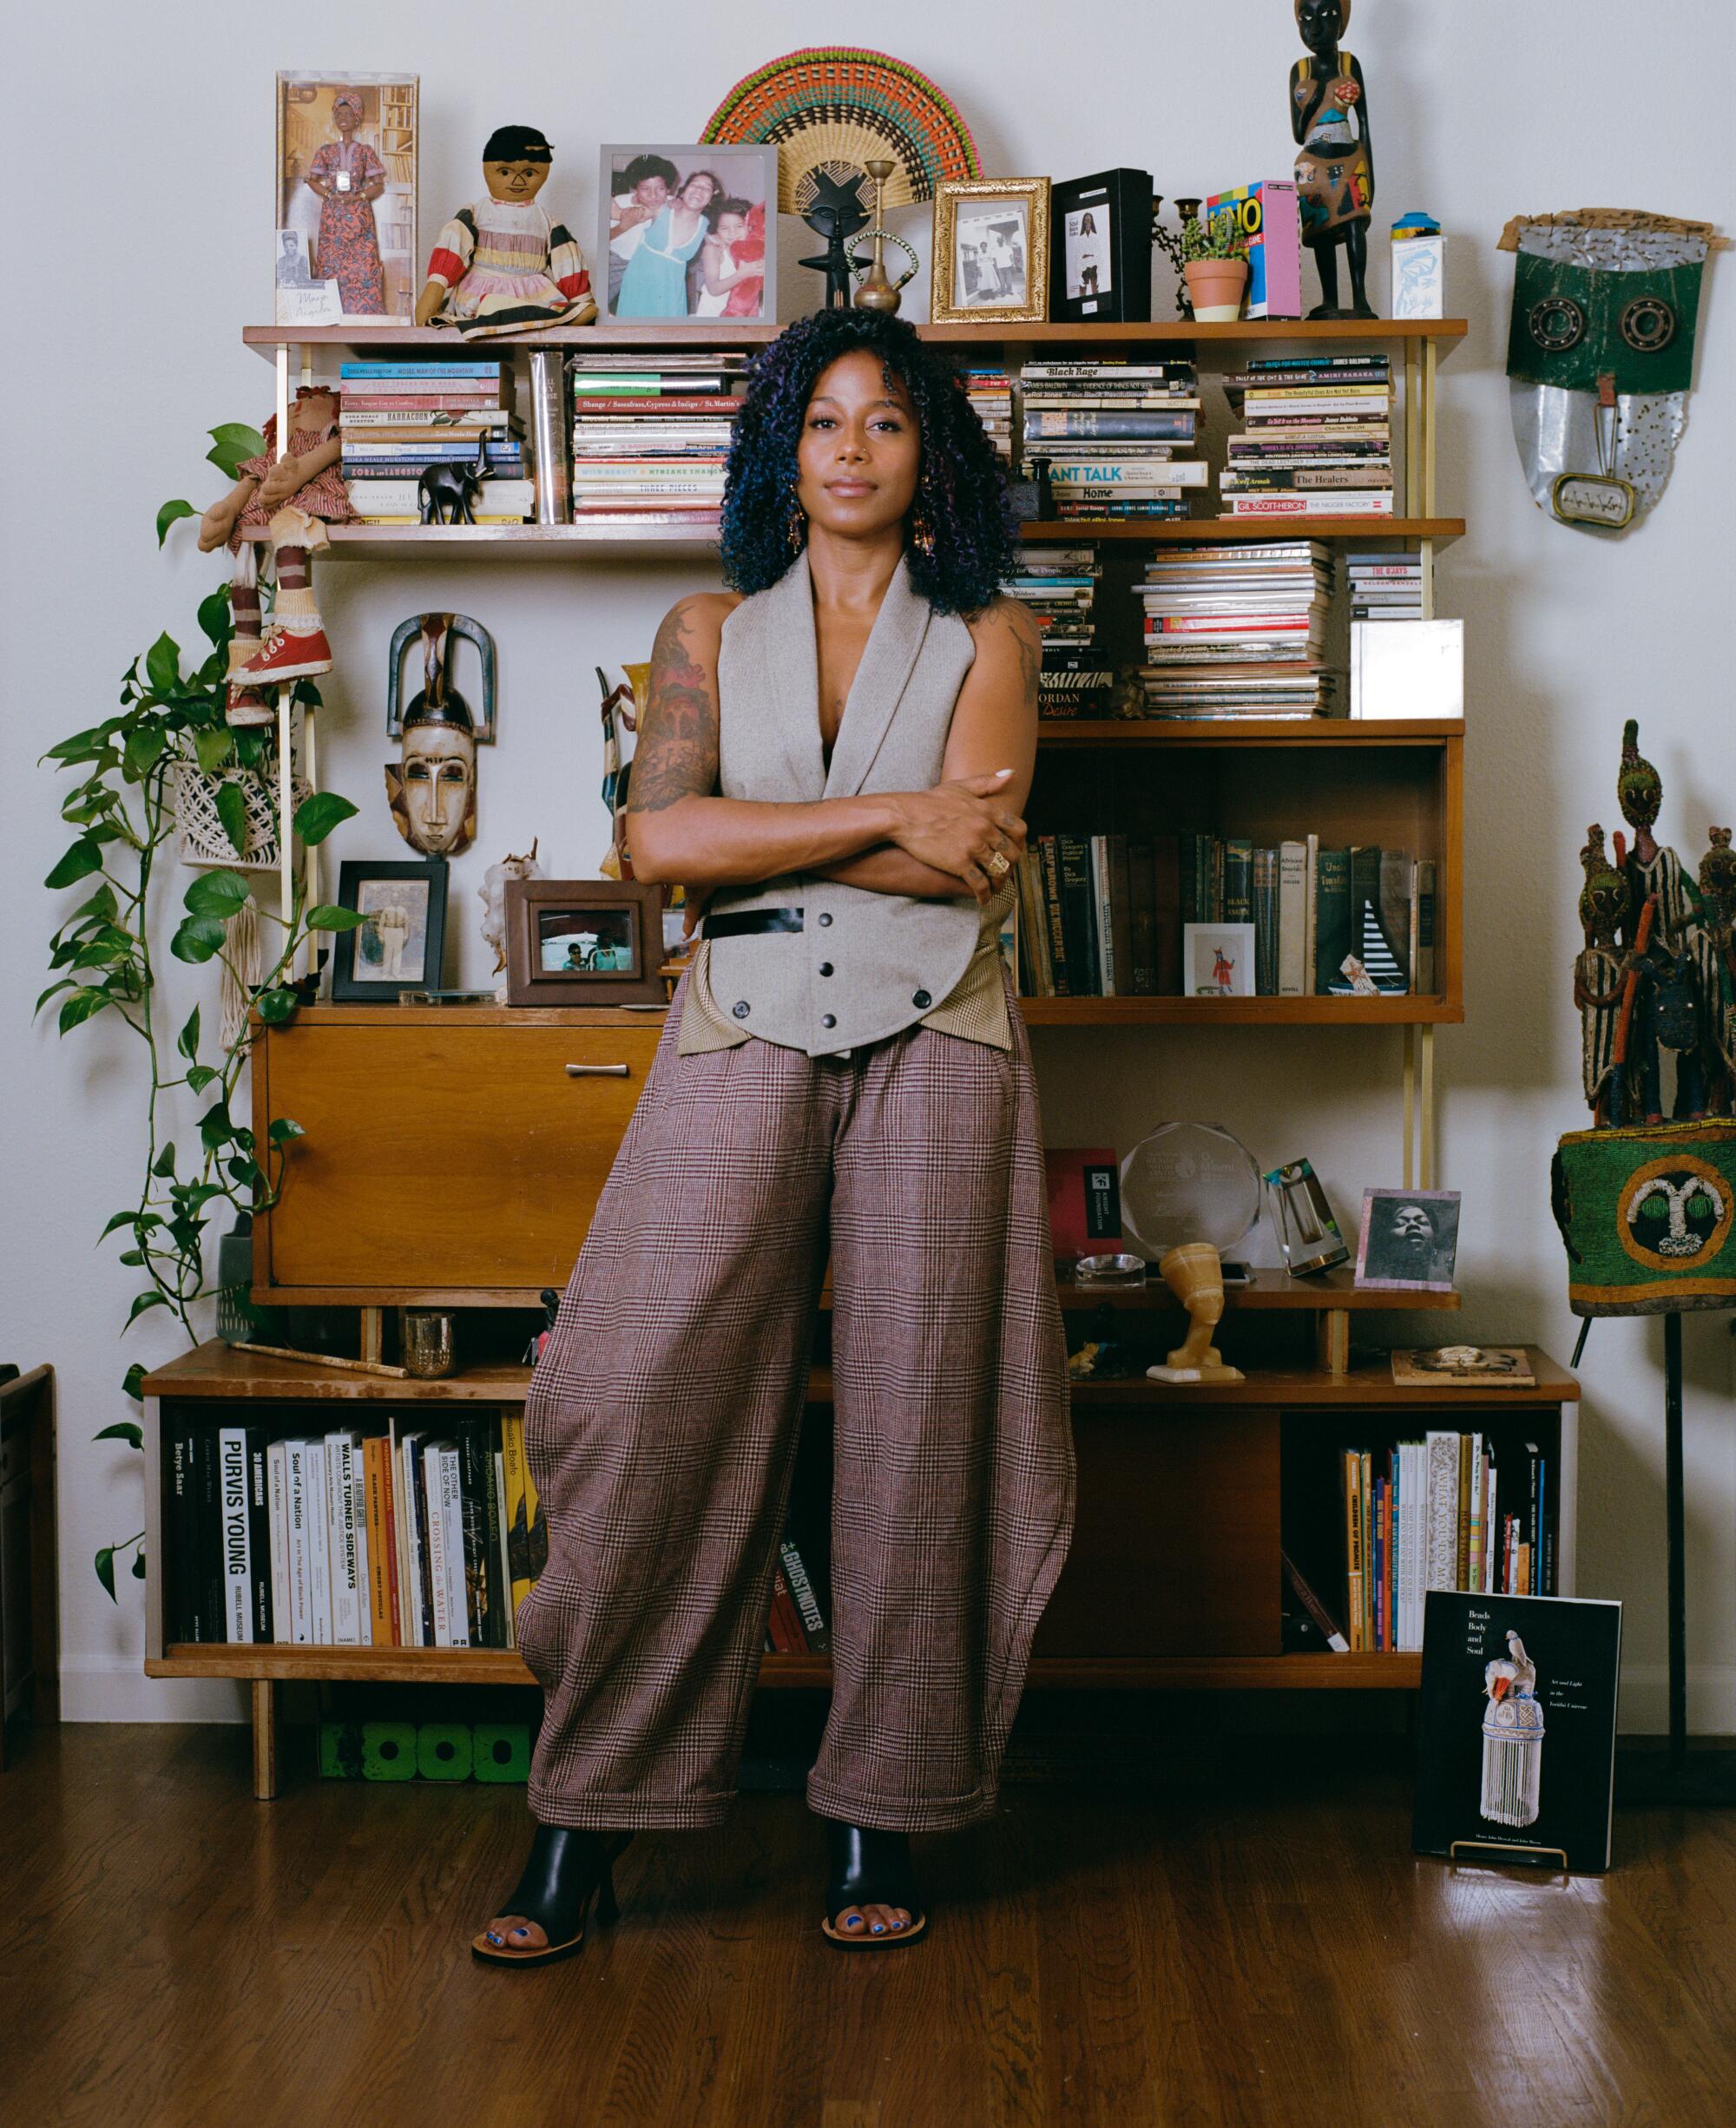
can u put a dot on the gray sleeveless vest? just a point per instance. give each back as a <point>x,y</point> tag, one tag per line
<point>864,964</point>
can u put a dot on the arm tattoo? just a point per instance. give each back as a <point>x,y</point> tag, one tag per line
<point>677,757</point>
<point>1028,642</point>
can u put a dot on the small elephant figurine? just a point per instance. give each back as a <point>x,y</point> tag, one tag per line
<point>448,492</point>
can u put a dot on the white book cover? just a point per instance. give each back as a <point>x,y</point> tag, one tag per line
<point>1106,921</point>
<point>413,1542</point>
<point>1310,913</point>
<point>340,1537</point>
<point>318,1525</point>
<point>301,1553</point>
<point>1443,1539</point>
<point>499,1536</point>
<point>1474,1557</point>
<point>1293,919</point>
<point>277,1484</point>
<point>359,1457</point>
<point>1407,668</point>
<point>439,1538</point>
<point>400,1542</point>
<point>232,1498</point>
<point>1491,1529</point>
<point>452,1516</point>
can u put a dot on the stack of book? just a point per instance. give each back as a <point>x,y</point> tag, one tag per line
<point>1315,438</point>
<point>651,437</point>
<point>1059,585</point>
<point>397,418</point>
<point>1385,584</point>
<point>1434,1514</point>
<point>1100,915</point>
<point>1239,631</point>
<point>1119,436</point>
<point>990,393</point>
<point>1312,906</point>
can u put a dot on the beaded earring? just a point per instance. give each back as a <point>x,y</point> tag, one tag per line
<point>922,531</point>
<point>796,533</point>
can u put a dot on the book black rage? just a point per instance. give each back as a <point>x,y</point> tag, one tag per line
<point>1515,1727</point>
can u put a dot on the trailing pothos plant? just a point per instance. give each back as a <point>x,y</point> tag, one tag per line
<point>122,811</point>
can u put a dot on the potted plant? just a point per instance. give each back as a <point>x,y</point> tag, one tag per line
<point>1214,266</point>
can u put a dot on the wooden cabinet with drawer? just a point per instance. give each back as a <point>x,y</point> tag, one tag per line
<point>453,1155</point>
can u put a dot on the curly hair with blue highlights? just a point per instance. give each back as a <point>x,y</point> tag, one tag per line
<point>961,492</point>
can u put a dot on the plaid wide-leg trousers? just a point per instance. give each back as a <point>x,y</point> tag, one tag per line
<point>661,1428</point>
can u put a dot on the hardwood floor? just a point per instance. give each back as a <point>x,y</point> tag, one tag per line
<point>1260,1951</point>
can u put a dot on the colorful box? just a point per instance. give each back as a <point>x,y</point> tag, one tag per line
<point>1269,217</point>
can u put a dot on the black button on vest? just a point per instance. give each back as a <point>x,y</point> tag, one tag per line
<point>922,1001</point>
<point>739,1008</point>
<point>825,968</point>
<point>828,1019</point>
<point>826,915</point>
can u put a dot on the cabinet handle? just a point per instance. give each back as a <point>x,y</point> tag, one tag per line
<point>596,1071</point>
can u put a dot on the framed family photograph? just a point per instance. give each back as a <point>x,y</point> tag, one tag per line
<point>1101,229</point>
<point>685,230</point>
<point>1218,958</point>
<point>583,941</point>
<point>402,945</point>
<point>1409,1241</point>
<point>990,252</point>
<point>345,244</point>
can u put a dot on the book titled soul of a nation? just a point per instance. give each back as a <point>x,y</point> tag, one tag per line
<point>1515,1728</point>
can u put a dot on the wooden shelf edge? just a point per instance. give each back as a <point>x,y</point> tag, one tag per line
<point>1431,731</point>
<point>504,1666</point>
<point>1242,1011</point>
<point>1173,530</point>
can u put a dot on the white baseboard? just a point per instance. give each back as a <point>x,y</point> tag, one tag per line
<point>1711,1699</point>
<point>111,1691</point>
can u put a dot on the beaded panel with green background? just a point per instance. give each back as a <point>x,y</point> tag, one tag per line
<point>1648,1216</point>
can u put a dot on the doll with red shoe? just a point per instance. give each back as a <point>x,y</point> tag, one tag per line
<point>291,499</point>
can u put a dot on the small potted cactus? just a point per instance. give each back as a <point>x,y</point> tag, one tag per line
<point>1214,266</point>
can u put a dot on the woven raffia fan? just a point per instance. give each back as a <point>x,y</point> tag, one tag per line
<point>830,108</point>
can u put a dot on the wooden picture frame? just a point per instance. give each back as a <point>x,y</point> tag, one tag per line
<point>1012,246</point>
<point>1100,237</point>
<point>545,948</point>
<point>420,892</point>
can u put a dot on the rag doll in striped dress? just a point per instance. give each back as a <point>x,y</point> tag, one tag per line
<point>500,264</point>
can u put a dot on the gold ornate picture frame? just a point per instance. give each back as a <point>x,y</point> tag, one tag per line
<point>990,264</point>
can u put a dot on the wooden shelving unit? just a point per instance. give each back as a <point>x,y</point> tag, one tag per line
<point>1149,1600</point>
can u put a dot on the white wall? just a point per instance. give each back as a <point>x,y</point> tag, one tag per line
<point>140,217</point>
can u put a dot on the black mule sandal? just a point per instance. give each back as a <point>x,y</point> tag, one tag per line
<point>870,1868</point>
<point>566,1867</point>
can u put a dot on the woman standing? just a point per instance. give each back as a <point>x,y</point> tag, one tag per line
<point>348,177</point>
<point>835,756</point>
<point>655,282</point>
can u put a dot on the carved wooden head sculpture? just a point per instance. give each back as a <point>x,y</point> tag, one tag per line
<point>432,787</point>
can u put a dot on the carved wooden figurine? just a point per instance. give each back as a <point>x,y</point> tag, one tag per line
<point>1335,169</point>
<point>1194,1273</point>
<point>1605,903</point>
<point>432,787</point>
<point>1718,926</point>
<point>1670,965</point>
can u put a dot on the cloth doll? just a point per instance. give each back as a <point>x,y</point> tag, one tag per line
<point>291,499</point>
<point>500,265</point>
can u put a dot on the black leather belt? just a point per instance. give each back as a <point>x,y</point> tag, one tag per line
<point>734,924</point>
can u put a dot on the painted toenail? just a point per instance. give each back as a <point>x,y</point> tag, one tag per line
<point>880,1928</point>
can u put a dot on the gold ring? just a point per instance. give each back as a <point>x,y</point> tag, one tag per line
<point>999,864</point>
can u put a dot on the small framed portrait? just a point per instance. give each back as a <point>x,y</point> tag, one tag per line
<point>583,941</point>
<point>1409,1240</point>
<point>1101,229</point>
<point>345,248</point>
<point>402,944</point>
<point>990,252</point>
<point>1218,958</point>
<point>689,235</point>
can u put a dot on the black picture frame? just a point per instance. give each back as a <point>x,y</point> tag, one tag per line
<point>1123,265</point>
<point>354,876</point>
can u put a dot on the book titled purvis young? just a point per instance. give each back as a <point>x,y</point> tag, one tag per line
<point>1515,1728</point>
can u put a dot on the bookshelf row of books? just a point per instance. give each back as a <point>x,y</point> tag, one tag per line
<point>1315,438</point>
<point>1118,437</point>
<point>1440,1513</point>
<point>396,419</point>
<point>651,436</point>
<point>1106,916</point>
<point>411,1538</point>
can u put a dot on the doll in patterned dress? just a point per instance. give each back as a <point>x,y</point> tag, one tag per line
<point>291,500</point>
<point>500,265</point>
